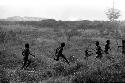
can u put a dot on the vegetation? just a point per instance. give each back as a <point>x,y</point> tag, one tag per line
<point>45,36</point>
<point>113,14</point>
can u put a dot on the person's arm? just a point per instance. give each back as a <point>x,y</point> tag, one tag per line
<point>57,50</point>
<point>31,54</point>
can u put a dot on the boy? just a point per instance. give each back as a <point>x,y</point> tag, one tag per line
<point>107,47</point>
<point>26,53</point>
<point>59,53</point>
<point>98,50</point>
<point>87,53</point>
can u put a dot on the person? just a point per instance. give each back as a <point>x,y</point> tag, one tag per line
<point>98,50</point>
<point>59,51</point>
<point>26,53</point>
<point>123,46</point>
<point>107,47</point>
<point>87,54</point>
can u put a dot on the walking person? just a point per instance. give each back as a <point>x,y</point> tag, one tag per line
<point>87,53</point>
<point>26,53</point>
<point>107,47</point>
<point>98,50</point>
<point>59,51</point>
<point>123,46</point>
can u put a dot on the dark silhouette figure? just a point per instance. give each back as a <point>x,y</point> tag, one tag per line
<point>26,53</point>
<point>59,53</point>
<point>98,50</point>
<point>87,53</point>
<point>123,46</point>
<point>107,47</point>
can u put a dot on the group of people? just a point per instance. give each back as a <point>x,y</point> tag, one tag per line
<point>26,53</point>
<point>99,50</point>
<point>59,50</point>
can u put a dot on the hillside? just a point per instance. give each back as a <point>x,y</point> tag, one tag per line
<point>18,18</point>
<point>45,36</point>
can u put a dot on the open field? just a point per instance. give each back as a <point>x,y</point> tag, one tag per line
<point>43,42</point>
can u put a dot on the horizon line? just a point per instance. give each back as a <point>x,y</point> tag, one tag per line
<point>60,19</point>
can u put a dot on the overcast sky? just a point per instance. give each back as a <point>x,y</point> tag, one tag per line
<point>60,9</point>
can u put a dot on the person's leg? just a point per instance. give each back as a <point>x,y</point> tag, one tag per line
<point>28,63</point>
<point>106,51</point>
<point>24,64</point>
<point>57,58</point>
<point>64,58</point>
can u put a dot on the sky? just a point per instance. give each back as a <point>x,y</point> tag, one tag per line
<point>60,9</point>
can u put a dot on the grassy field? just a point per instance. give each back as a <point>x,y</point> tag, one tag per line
<point>43,69</point>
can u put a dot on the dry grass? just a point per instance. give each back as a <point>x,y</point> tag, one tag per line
<point>44,69</point>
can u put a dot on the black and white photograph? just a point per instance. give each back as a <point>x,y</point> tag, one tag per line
<point>62,41</point>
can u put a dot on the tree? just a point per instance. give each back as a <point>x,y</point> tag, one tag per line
<point>113,14</point>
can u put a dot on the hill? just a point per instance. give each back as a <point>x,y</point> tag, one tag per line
<point>18,18</point>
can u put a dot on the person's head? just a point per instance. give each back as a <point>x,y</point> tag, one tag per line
<point>62,44</point>
<point>108,41</point>
<point>123,41</point>
<point>97,43</point>
<point>26,45</point>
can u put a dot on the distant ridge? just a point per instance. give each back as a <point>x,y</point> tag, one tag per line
<point>18,18</point>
